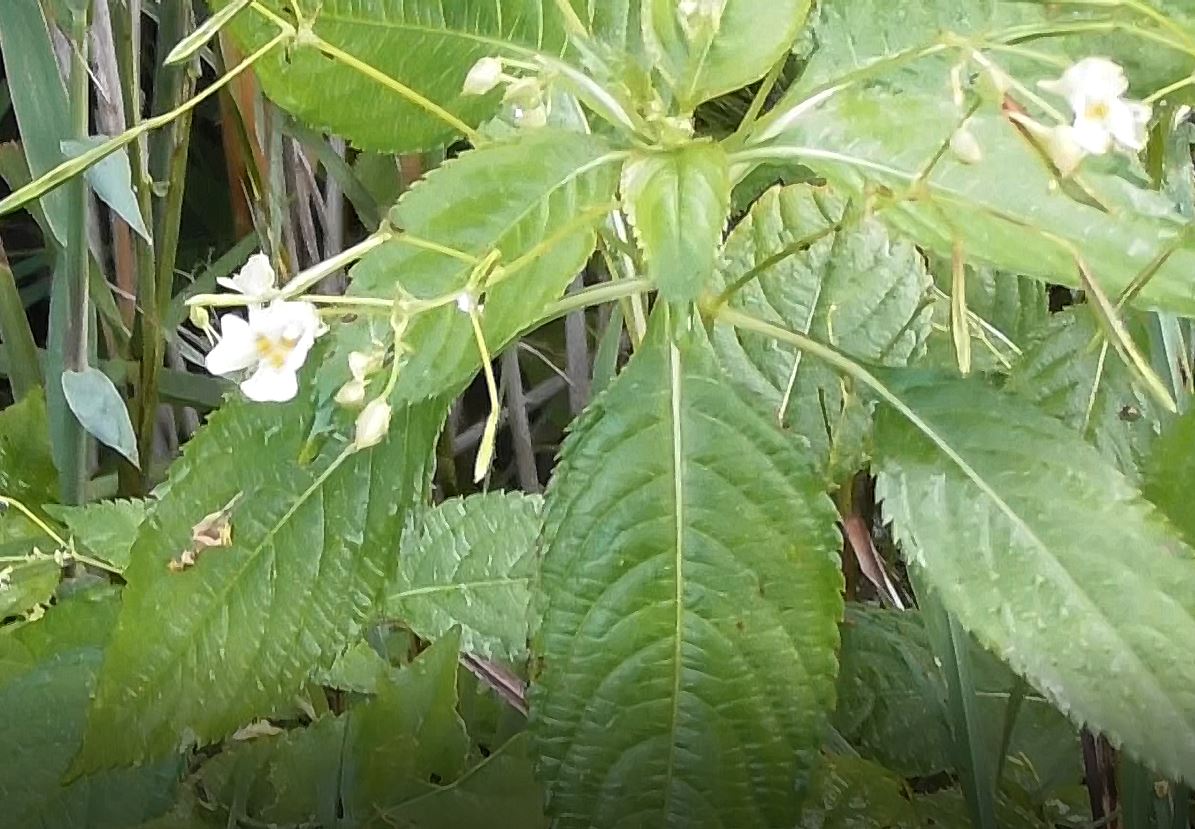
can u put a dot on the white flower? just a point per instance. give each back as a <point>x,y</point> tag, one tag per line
<point>372,424</point>
<point>483,77</point>
<point>255,280</point>
<point>272,345</point>
<point>698,15</point>
<point>1094,88</point>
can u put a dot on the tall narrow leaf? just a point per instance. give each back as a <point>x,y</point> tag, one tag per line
<point>687,649</point>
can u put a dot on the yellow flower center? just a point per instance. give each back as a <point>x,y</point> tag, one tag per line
<point>273,352</point>
<point>1097,111</point>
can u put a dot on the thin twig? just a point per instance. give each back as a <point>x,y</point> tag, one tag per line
<point>520,426</point>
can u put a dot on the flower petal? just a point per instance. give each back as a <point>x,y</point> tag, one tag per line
<point>236,350</point>
<point>1092,135</point>
<point>256,278</point>
<point>268,385</point>
<point>1128,122</point>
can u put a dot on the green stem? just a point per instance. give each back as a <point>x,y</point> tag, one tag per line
<point>594,295</point>
<point>73,477</point>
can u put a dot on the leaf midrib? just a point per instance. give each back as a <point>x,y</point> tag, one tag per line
<point>678,491</point>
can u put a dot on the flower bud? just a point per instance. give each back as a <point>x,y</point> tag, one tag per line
<point>965,146</point>
<point>483,77</point>
<point>372,424</point>
<point>351,393</point>
<point>200,317</point>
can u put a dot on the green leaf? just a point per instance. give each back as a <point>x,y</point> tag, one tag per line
<point>721,45</point>
<point>852,793</point>
<point>26,465</point>
<point>693,591</point>
<point>27,584</point>
<point>100,410</point>
<point>38,101</point>
<point>1169,476</point>
<point>974,763</point>
<point>678,201</point>
<point>360,669</point>
<point>501,787</point>
<point>855,35</point>
<point>882,138</point>
<point>1072,373</point>
<point>280,779</point>
<point>427,45</point>
<point>891,698</point>
<point>201,651</point>
<point>379,759</point>
<point>470,563</point>
<point>1049,556</point>
<point>106,529</point>
<point>47,672</point>
<point>112,181</point>
<point>541,195</point>
<point>857,288</point>
<point>408,734</point>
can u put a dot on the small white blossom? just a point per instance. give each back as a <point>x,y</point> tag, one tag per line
<point>525,97</point>
<point>255,280</point>
<point>1094,88</point>
<point>372,424</point>
<point>483,77</point>
<point>466,302</point>
<point>272,345</point>
<point>361,366</point>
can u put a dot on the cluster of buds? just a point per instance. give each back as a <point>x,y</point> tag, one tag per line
<point>525,97</point>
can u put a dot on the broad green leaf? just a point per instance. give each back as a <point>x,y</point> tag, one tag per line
<point>427,45</point>
<point>26,465</point>
<point>202,650</point>
<point>469,562</point>
<point>47,672</point>
<point>101,410</point>
<point>112,181</point>
<point>1072,373</point>
<point>1169,476</point>
<point>891,697</point>
<point>706,48</point>
<point>501,788</point>
<point>687,648</point>
<point>105,530</point>
<point>1049,556</point>
<point>856,288</point>
<point>407,735</point>
<point>678,201</point>
<point>883,138</point>
<point>542,195</point>
<point>857,35</point>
